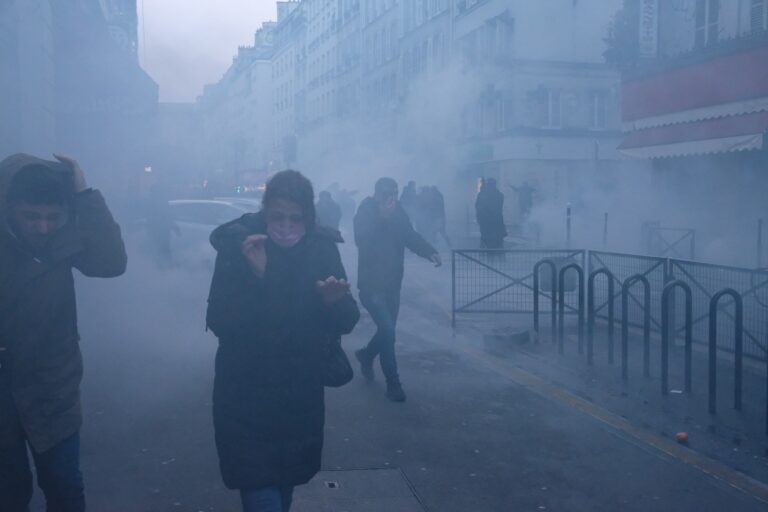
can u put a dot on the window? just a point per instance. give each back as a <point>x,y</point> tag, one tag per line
<point>393,38</point>
<point>759,16</point>
<point>385,43</point>
<point>553,109</point>
<point>506,111</point>
<point>598,110</point>
<point>707,16</point>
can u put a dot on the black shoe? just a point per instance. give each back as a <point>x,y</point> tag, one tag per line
<point>366,363</point>
<point>395,392</point>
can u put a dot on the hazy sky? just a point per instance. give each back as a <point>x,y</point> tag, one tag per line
<point>190,43</point>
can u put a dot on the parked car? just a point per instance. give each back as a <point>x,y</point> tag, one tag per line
<point>196,219</point>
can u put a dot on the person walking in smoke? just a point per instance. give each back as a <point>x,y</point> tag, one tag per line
<point>382,232</point>
<point>409,198</point>
<point>278,295</point>
<point>525,194</point>
<point>328,211</point>
<point>438,208</point>
<point>160,225</point>
<point>489,208</point>
<point>52,223</point>
<point>431,207</point>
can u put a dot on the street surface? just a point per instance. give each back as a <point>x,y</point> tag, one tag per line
<point>478,433</point>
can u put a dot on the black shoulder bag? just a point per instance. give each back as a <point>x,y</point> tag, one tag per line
<point>336,370</point>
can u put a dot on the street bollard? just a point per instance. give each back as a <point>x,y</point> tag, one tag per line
<point>739,347</point>
<point>625,288</point>
<point>591,313</point>
<point>536,291</point>
<point>665,333</point>
<point>561,309</point>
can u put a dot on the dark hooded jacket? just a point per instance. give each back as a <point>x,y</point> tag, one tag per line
<point>39,350</point>
<point>381,244</point>
<point>489,208</point>
<point>268,398</point>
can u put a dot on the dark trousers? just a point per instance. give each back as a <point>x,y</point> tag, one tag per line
<point>270,499</point>
<point>383,307</point>
<point>58,475</point>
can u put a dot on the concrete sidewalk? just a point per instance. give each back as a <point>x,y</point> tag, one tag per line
<point>478,434</point>
<point>472,439</point>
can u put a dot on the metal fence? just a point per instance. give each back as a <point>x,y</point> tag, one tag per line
<point>624,266</point>
<point>705,281</point>
<point>501,281</point>
<point>670,242</point>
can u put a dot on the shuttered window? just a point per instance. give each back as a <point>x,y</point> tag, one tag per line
<point>759,15</point>
<point>707,17</point>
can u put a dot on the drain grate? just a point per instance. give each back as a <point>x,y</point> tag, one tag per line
<point>358,490</point>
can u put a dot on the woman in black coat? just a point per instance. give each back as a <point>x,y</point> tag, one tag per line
<point>279,294</point>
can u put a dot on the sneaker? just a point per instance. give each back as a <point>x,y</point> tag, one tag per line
<point>395,392</point>
<point>366,363</point>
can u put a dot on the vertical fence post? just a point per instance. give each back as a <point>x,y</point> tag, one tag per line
<point>667,328</point>
<point>453,290</point>
<point>561,308</point>
<point>536,291</point>
<point>591,313</point>
<point>605,230</point>
<point>625,288</point>
<point>568,225</point>
<point>693,245</point>
<point>759,243</point>
<point>739,342</point>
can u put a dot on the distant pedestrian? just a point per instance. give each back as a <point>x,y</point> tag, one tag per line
<point>438,207</point>
<point>346,200</point>
<point>279,294</point>
<point>160,225</point>
<point>489,208</point>
<point>409,198</point>
<point>52,223</point>
<point>328,211</point>
<point>382,232</point>
<point>423,215</point>
<point>525,194</point>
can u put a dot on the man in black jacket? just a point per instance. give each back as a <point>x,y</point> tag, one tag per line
<point>382,232</point>
<point>489,208</point>
<point>51,224</point>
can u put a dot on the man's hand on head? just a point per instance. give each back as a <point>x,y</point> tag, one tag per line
<point>78,178</point>
<point>436,259</point>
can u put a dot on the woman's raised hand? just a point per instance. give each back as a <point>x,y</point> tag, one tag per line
<point>255,254</point>
<point>332,290</point>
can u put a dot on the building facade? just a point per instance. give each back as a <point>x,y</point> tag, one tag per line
<point>236,112</point>
<point>695,110</point>
<point>68,86</point>
<point>545,114</point>
<point>28,78</point>
<point>468,89</point>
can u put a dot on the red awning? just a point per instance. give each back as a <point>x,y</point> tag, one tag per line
<point>736,133</point>
<point>729,79</point>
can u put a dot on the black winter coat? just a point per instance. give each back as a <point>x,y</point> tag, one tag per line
<point>40,353</point>
<point>489,208</point>
<point>381,244</point>
<point>268,398</point>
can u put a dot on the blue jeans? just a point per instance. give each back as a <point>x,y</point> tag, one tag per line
<point>383,307</point>
<point>58,475</point>
<point>269,499</point>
